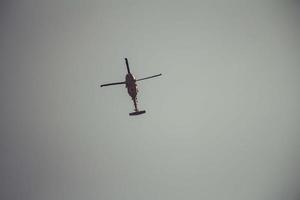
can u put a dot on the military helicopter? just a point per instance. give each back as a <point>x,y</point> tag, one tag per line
<point>130,83</point>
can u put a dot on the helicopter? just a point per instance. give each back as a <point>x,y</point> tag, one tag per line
<point>130,83</point>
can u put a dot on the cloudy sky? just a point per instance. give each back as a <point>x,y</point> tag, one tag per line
<point>221,123</point>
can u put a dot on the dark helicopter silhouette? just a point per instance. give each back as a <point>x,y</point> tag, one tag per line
<point>130,83</point>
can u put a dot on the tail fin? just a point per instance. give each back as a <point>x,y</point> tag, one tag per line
<point>127,65</point>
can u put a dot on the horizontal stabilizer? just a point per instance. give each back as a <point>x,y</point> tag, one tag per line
<point>148,77</point>
<point>117,83</point>
<point>137,112</point>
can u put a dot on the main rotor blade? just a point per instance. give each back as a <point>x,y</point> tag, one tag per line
<point>117,83</point>
<point>127,65</point>
<point>148,77</point>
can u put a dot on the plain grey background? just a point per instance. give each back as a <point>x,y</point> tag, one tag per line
<point>221,123</point>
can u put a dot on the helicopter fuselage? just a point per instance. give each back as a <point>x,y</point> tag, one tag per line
<point>131,85</point>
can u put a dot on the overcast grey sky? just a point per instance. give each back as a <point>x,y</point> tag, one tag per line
<point>221,123</point>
